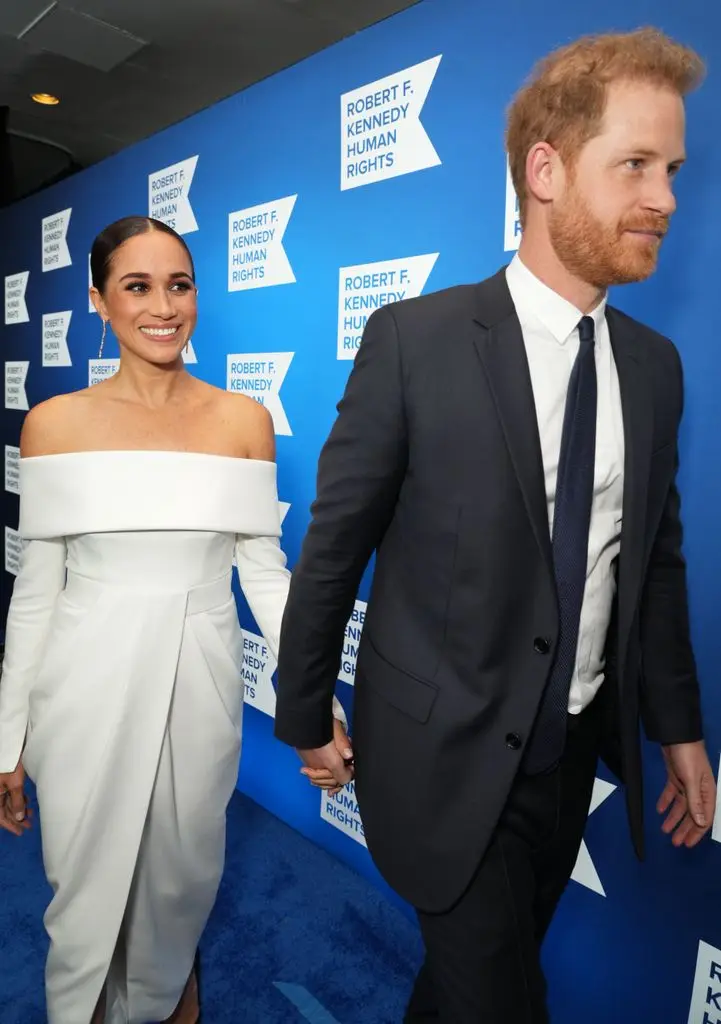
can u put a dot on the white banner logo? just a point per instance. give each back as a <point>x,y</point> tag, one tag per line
<point>512,237</point>
<point>256,257</point>
<point>13,550</point>
<point>55,339</point>
<point>706,997</point>
<point>257,673</point>
<point>12,469</point>
<point>16,310</point>
<point>381,132</point>
<point>353,631</point>
<point>101,369</point>
<point>55,247</point>
<point>369,286</point>
<point>91,307</point>
<point>260,377</point>
<point>585,870</point>
<point>341,811</point>
<point>15,377</point>
<point>189,356</point>
<point>168,196</point>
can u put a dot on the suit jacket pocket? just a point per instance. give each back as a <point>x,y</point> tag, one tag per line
<point>413,696</point>
<point>664,449</point>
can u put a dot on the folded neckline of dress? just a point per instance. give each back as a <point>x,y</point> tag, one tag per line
<point>144,451</point>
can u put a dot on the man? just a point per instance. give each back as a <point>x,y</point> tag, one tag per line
<point>509,450</point>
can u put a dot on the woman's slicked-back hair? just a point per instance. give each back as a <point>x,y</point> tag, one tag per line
<point>115,235</point>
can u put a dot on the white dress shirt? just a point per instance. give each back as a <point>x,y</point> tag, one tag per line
<point>549,324</point>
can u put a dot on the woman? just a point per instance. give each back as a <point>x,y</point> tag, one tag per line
<point>121,692</point>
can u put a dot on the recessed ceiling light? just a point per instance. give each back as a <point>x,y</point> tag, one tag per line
<point>46,99</point>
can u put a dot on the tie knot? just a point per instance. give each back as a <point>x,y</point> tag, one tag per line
<point>585,330</point>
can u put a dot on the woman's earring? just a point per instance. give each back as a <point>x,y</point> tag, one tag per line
<point>102,340</point>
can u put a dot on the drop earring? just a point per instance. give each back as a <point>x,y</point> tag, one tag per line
<point>102,339</point>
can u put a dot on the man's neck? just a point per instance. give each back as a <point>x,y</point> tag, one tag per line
<point>539,257</point>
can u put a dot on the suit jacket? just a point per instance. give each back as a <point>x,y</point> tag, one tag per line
<point>434,463</point>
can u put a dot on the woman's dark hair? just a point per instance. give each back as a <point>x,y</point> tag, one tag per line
<point>115,235</point>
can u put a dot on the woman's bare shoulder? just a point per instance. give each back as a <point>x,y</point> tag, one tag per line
<point>248,424</point>
<point>52,426</point>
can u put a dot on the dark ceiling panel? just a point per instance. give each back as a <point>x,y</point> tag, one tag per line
<point>83,39</point>
<point>15,15</point>
<point>193,23</point>
<point>115,90</point>
<point>12,56</point>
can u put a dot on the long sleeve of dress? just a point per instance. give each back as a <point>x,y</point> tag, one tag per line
<point>265,581</point>
<point>40,580</point>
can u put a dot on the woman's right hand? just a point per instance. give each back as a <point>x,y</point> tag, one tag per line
<point>14,811</point>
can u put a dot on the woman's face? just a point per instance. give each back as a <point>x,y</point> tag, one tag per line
<point>150,297</point>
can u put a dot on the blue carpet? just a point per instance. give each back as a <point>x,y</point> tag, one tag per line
<point>295,936</point>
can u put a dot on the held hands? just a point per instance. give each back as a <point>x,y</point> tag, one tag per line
<point>330,767</point>
<point>690,793</point>
<point>14,811</point>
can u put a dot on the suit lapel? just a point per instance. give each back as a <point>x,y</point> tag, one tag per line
<point>502,352</point>
<point>638,426</point>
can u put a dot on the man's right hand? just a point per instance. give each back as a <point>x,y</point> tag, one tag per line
<point>328,767</point>
<point>14,812</point>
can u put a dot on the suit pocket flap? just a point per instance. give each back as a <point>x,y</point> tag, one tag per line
<point>413,696</point>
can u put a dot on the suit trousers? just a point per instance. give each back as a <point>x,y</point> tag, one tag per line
<point>482,961</point>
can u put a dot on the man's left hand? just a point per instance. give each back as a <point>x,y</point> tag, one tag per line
<point>689,795</point>
<point>330,767</point>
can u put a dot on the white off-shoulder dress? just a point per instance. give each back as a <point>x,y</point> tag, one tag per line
<point>122,678</point>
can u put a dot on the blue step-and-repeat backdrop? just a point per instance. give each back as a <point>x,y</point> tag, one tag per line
<point>373,172</point>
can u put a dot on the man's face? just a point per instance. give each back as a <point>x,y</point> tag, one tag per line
<point>608,225</point>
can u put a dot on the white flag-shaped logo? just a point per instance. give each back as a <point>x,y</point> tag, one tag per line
<point>585,870</point>
<point>381,132</point>
<point>55,338</point>
<point>189,356</point>
<point>257,673</point>
<point>706,995</point>
<point>13,550</point>
<point>15,376</point>
<point>368,286</point>
<point>16,310</point>
<point>256,257</point>
<point>56,253</point>
<point>101,369</point>
<point>169,196</point>
<point>12,469</point>
<point>512,233</point>
<point>260,376</point>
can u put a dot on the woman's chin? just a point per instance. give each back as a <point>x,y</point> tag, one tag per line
<point>162,355</point>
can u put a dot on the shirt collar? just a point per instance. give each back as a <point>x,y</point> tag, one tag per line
<point>534,300</point>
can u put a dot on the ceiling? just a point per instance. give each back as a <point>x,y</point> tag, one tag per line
<point>126,69</point>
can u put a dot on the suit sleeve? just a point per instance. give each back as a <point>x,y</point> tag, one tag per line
<point>670,697</point>
<point>39,582</point>
<point>360,471</point>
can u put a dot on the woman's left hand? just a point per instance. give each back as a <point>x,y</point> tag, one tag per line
<point>322,778</point>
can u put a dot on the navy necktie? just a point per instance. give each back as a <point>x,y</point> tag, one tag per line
<point>571,521</point>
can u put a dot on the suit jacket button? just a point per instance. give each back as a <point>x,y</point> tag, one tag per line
<point>541,645</point>
<point>513,741</point>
